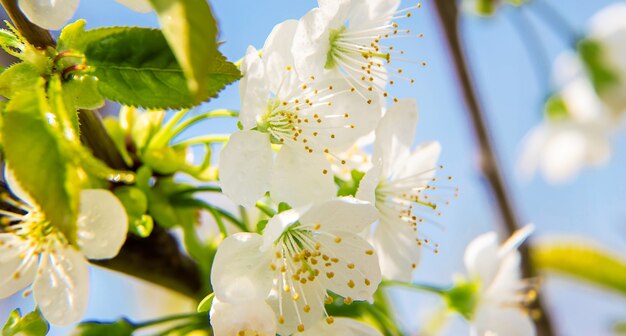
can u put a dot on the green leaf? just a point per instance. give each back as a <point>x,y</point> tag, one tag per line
<point>37,152</point>
<point>584,263</point>
<point>17,78</point>
<point>74,37</point>
<point>205,304</point>
<point>118,328</point>
<point>191,31</point>
<point>137,68</point>
<point>33,324</point>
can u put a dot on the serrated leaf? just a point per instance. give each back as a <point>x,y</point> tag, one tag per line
<point>74,37</point>
<point>118,328</point>
<point>19,77</point>
<point>82,92</point>
<point>191,31</point>
<point>137,68</point>
<point>37,152</point>
<point>32,324</point>
<point>583,262</point>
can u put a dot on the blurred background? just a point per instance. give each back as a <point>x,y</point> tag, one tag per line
<point>513,80</point>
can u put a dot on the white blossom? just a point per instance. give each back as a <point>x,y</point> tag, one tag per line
<point>308,122</point>
<point>397,185</point>
<point>33,251</point>
<point>502,294</point>
<point>250,318</point>
<point>301,254</point>
<point>575,136</point>
<point>54,14</point>
<point>346,39</point>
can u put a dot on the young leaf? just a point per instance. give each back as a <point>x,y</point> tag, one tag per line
<point>30,325</point>
<point>136,67</point>
<point>584,263</point>
<point>19,77</point>
<point>118,328</point>
<point>191,31</point>
<point>37,152</point>
<point>74,37</point>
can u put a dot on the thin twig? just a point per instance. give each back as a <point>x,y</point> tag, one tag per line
<point>448,15</point>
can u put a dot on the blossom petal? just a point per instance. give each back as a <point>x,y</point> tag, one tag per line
<point>398,252</point>
<point>16,272</point>
<point>503,321</point>
<point>293,311</point>
<point>395,133</point>
<point>241,271</point>
<point>102,224</point>
<point>141,6</point>
<point>49,14</point>
<point>277,225</point>
<point>277,58</point>
<point>253,89</point>
<point>300,177</point>
<point>341,326</point>
<point>256,317</point>
<point>506,284</point>
<point>245,166</point>
<point>61,287</point>
<point>481,257</point>
<point>311,44</point>
<point>342,214</point>
<point>369,182</point>
<point>355,273</point>
<point>422,162</point>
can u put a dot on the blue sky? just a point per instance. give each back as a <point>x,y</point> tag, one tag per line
<point>506,74</point>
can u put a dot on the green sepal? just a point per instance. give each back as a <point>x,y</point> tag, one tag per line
<point>135,202</point>
<point>349,187</point>
<point>19,77</point>
<point>38,151</point>
<point>205,304</point>
<point>463,297</point>
<point>32,324</point>
<point>555,109</point>
<point>136,67</point>
<point>191,32</point>
<point>120,327</point>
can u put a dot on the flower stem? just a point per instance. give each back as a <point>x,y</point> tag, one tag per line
<point>415,286</point>
<point>265,209</point>
<point>207,115</point>
<point>166,319</point>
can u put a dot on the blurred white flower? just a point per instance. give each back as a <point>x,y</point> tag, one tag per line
<point>33,251</point>
<point>396,184</point>
<point>576,130</point>
<point>341,327</point>
<point>500,302</point>
<point>307,121</point>
<point>301,254</point>
<point>604,52</point>
<point>344,39</point>
<point>54,14</point>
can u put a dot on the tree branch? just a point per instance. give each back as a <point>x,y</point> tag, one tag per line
<point>448,15</point>
<point>157,258</point>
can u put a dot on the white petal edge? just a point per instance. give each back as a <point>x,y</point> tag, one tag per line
<point>61,287</point>
<point>11,249</point>
<point>102,224</point>
<point>481,257</point>
<point>503,322</point>
<point>343,214</point>
<point>255,317</point>
<point>398,252</point>
<point>341,326</point>
<point>245,166</point>
<point>241,271</point>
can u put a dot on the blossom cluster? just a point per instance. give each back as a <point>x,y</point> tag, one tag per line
<point>315,90</point>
